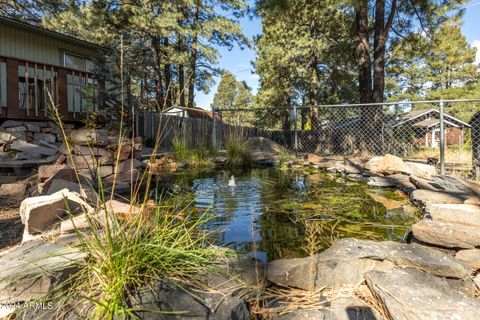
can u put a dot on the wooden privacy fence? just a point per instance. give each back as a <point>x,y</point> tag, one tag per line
<point>155,127</point>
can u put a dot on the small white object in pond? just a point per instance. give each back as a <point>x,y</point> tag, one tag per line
<point>231,182</point>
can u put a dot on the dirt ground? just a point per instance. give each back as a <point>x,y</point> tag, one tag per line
<point>11,227</point>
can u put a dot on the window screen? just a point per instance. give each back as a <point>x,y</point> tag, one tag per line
<point>74,62</point>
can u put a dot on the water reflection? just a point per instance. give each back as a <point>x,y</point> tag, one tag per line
<point>272,208</point>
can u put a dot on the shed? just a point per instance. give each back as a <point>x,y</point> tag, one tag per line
<point>425,125</point>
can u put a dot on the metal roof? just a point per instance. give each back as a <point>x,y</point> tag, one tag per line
<point>50,33</point>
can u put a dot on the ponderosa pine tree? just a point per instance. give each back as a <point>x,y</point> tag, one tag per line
<point>233,94</point>
<point>440,67</point>
<point>170,46</point>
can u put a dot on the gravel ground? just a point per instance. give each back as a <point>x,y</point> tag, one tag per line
<point>11,227</point>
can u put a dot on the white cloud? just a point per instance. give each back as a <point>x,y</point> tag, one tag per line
<point>476,44</point>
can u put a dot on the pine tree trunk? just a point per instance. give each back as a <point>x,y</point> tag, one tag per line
<point>193,55</point>
<point>168,76</point>
<point>158,72</point>
<point>363,52</point>
<point>313,83</point>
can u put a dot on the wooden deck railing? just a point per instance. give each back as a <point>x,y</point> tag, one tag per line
<point>32,86</point>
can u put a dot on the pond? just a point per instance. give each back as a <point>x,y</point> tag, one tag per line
<point>285,214</point>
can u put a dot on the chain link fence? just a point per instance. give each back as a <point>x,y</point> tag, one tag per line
<point>441,132</point>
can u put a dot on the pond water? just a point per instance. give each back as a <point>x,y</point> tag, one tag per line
<point>281,213</point>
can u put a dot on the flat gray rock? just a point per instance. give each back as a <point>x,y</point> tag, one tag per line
<point>168,297</point>
<point>428,197</point>
<point>398,180</point>
<point>20,145</point>
<point>456,213</point>
<point>346,261</point>
<point>447,234</point>
<point>412,294</point>
<point>345,308</point>
<point>31,270</point>
<point>470,256</point>
<point>456,184</point>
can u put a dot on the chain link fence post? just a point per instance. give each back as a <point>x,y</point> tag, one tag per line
<point>442,138</point>
<point>295,128</point>
<point>214,129</point>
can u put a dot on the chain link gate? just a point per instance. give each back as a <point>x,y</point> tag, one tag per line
<point>433,131</point>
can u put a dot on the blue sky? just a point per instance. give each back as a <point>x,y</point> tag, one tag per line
<point>239,61</point>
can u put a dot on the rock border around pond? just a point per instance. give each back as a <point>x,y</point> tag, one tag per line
<point>382,279</point>
<point>423,280</point>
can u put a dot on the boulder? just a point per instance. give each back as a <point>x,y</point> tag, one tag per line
<point>314,159</point>
<point>89,137</point>
<point>47,171</point>
<point>420,170</point>
<point>33,127</point>
<point>263,145</point>
<point>86,150</point>
<point>126,176</point>
<point>30,271</point>
<point>80,222</point>
<point>221,159</point>
<point>65,174</point>
<point>428,197</point>
<point>457,184</point>
<point>390,164</point>
<point>82,162</point>
<point>84,190</point>
<point>372,164</point>
<point>345,262</point>
<point>11,123</point>
<point>412,294</point>
<point>124,153</point>
<point>421,183</point>
<point>28,156</point>
<point>339,308</point>
<point>398,180</point>
<point>129,165</point>
<point>16,129</point>
<point>178,302</point>
<point>455,213</point>
<point>446,234</point>
<point>122,210</point>
<point>19,145</point>
<point>47,137</point>
<point>38,213</point>
<point>471,257</point>
<point>15,190</point>
<point>8,137</point>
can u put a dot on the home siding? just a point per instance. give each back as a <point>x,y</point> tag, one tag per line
<point>32,46</point>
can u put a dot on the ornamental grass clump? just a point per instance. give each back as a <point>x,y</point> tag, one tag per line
<point>130,255</point>
<point>238,154</point>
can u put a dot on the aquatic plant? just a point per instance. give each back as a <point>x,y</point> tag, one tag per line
<point>238,155</point>
<point>180,150</point>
